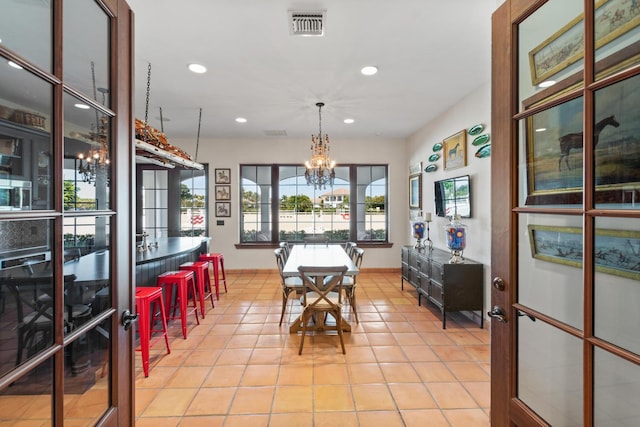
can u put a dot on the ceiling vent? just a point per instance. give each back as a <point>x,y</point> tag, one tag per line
<point>275,132</point>
<point>307,23</point>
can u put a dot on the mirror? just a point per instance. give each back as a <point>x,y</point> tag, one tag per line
<point>453,196</point>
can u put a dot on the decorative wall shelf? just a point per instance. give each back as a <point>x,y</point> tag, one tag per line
<point>148,153</point>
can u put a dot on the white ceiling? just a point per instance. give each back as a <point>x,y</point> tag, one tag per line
<point>430,54</point>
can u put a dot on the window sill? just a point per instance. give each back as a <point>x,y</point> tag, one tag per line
<point>272,245</point>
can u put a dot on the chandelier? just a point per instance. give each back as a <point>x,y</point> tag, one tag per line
<point>98,155</point>
<point>320,169</point>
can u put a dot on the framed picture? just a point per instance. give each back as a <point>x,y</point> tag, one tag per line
<point>223,192</point>
<point>554,148</point>
<point>617,252</point>
<point>415,191</point>
<point>455,150</point>
<point>613,18</point>
<point>223,209</point>
<point>223,176</point>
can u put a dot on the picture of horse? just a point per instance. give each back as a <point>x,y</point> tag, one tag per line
<point>554,147</point>
<point>455,150</point>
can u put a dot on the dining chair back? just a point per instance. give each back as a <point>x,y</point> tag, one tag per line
<point>316,239</point>
<point>349,282</point>
<point>285,250</point>
<point>322,295</point>
<point>349,248</point>
<point>289,284</point>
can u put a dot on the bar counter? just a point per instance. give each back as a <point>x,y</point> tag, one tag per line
<point>170,253</point>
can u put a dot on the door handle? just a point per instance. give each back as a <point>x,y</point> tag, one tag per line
<point>497,313</point>
<point>127,319</point>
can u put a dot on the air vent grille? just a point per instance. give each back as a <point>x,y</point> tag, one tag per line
<point>307,23</point>
<point>275,132</point>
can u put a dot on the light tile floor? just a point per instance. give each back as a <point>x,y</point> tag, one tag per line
<point>240,368</point>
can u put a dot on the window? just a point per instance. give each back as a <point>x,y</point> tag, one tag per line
<point>155,203</point>
<point>278,205</point>
<point>193,202</point>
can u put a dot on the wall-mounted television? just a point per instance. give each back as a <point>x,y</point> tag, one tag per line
<point>453,196</point>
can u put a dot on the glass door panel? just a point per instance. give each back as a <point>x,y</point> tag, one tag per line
<point>616,390</point>
<point>549,260</point>
<point>617,36</point>
<point>617,282</point>
<point>551,143</point>
<point>617,152</point>
<point>550,47</point>
<point>33,40</point>
<point>550,372</point>
<point>86,49</point>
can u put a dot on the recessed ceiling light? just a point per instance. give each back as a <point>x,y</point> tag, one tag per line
<point>241,120</point>
<point>349,121</point>
<point>14,65</point>
<point>81,106</point>
<point>541,129</point>
<point>369,70</point>
<point>547,83</point>
<point>197,68</point>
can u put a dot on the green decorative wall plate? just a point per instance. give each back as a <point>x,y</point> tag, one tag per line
<point>437,147</point>
<point>481,140</point>
<point>434,157</point>
<point>484,151</point>
<point>431,168</point>
<point>475,130</point>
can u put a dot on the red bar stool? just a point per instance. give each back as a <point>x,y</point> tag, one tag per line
<point>203,281</point>
<point>215,259</point>
<point>185,282</point>
<point>147,302</point>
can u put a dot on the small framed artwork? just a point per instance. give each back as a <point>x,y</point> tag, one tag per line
<point>223,192</point>
<point>223,176</point>
<point>223,209</point>
<point>455,150</point>
<point>415,191</point>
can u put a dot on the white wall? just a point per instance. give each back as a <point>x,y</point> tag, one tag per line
<point>474,109</point>
<point>230,153</point>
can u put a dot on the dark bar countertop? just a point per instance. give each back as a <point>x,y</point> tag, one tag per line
<point>168,247</point>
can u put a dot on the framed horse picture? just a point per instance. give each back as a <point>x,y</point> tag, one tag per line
<point>455,150</point>
<point>553,143</point>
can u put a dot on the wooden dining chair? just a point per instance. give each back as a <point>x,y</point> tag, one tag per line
<point>286,250</point>
<point>289,284</point>
<point>321,297</point>
<point>349,282</point>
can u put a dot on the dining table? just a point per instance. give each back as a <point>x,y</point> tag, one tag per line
<point>317,255</point>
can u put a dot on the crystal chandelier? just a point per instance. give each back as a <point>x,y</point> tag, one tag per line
<point>98,155</point>
<point>320,170</point>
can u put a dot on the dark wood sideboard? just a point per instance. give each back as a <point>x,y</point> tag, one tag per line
<point>451,287</point>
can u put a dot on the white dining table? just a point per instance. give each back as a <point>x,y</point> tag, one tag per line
<point>318,255</point>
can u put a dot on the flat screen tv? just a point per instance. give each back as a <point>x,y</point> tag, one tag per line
<point>453,196</point>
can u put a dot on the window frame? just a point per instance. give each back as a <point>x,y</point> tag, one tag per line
<point>274,206</point>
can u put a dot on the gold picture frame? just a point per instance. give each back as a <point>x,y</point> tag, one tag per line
<point>615,250</point>
<point>566,46</point>
<point>455,150</point>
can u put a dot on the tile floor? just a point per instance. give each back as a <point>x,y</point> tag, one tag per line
<point>240,368</point>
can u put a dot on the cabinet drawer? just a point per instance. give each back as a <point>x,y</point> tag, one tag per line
<point>436,294</point>
<point>437,271</point>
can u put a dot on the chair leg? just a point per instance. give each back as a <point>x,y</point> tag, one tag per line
<point>305,320</point>
<point>352,303</point>
<point>285,298</point>
<point>339,327</point>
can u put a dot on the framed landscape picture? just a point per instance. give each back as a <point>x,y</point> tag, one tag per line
<point>415,191</point>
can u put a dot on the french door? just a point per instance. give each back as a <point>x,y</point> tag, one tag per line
<point>566,240</point>
<point>66,247</point>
